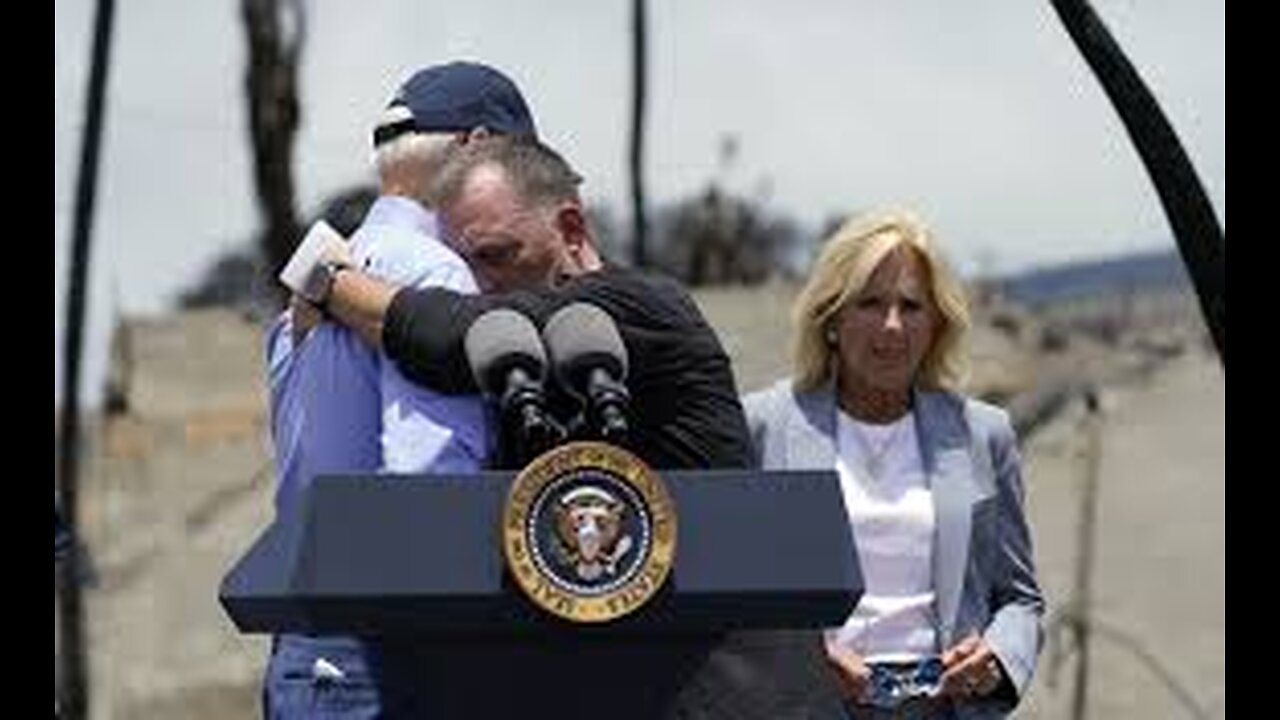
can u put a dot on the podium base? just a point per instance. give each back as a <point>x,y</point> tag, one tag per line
<point>740,675</point>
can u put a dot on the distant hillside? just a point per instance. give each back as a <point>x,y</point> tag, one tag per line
<point>1147,271</point>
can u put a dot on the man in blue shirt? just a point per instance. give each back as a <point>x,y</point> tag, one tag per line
<point>338,406</point>
<point>512,205</point>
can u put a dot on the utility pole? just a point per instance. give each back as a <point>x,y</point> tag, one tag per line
<point>1082,593</point>
<point>73,664</point>
<point>639,72</point>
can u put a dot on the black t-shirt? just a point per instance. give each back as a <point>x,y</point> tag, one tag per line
<point>684,414</point>
<point>685,411</point>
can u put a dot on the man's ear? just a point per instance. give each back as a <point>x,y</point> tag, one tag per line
<point>477,133</point>
<point>571,222</point>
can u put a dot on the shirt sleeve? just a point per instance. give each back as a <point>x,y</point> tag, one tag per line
<point>280,364</point>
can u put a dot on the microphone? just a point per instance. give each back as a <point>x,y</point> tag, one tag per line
<point>590,362</point>
<point>508,362</point>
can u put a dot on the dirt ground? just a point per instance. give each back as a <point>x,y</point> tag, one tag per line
<point>1159,583</point>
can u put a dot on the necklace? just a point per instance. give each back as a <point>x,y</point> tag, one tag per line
<point>874,454</point>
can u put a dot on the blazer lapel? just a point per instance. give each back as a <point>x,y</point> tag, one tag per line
<point>944,448</point>
<point>811,432</point>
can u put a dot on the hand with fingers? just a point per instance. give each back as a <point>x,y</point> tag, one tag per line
<point>852,671</point>
<point>309,273</point>
<point>305,316</point>
<point>971,670</point>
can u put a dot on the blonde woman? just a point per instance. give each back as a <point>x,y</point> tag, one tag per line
<point>950,622</point>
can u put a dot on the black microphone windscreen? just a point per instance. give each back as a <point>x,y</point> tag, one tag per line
<point>499,340</point>
<point>580,337</point>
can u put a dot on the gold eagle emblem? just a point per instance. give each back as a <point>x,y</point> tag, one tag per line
<point>589,530</point>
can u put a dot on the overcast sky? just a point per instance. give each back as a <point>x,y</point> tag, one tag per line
<point>979,114</point>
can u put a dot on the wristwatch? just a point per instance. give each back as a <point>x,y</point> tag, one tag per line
<point>329,270</point>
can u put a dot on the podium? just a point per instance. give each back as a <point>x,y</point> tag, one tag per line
<point>765,559</point>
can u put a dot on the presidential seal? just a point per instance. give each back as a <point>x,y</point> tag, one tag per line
<point>588,532</point>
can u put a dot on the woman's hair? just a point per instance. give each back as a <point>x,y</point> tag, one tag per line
<point>847,261</point>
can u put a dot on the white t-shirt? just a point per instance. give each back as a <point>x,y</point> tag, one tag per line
<point>890,508</point>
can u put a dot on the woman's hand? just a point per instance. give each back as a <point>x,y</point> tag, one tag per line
<point>970,669</point>
<point>854,675</point>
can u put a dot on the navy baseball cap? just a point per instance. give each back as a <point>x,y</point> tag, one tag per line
<point>456,97</point>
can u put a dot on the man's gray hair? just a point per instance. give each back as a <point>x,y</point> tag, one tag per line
<point>538,174</point>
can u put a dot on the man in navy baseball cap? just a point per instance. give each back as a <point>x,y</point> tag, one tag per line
<point>456,97</point>
<point>342,408</point>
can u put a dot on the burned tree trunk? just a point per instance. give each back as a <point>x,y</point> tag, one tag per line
<point>275,31</point>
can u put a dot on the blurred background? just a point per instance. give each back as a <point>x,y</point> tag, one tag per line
<point>763,125</point>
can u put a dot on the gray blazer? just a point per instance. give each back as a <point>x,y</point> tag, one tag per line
<point>984,577</point>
